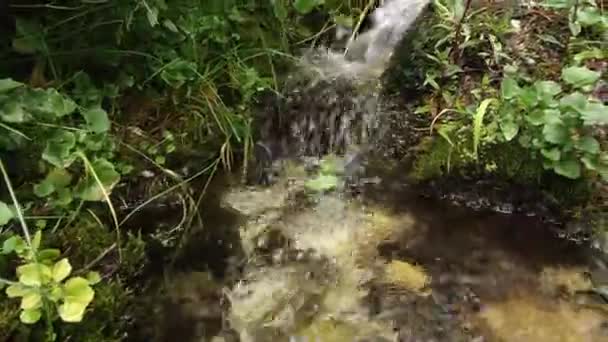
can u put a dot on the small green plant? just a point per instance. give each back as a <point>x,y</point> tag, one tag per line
<point>42,281</point>
<point>43,284</point>
<point>558,121</point>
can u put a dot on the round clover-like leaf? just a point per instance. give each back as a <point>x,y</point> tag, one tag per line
<point>71,312</point>
<point>93,278</point>
<point>61,270</point>
<point>33,274</point>
<point>97,119</point>
<point>7,84</point>
<point>30,316</point>
<point>569,168</point>
<point>90,189</point>
<point>588,144</point>
<point>77,289</point>
<point>31,300</point>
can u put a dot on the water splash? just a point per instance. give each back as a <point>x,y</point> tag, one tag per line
<point>367,56</point>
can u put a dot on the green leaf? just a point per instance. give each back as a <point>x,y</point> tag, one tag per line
<point>568,168</point>
<point>588,16</point>
<point>9,245</point>
<point>280,11</point>
<point>579,76</point>
<point>575,27</point>
<point>478,123</point>
<point>322,183</point>
<point>49,104</point>
<point>17,290</point>
<point>36,240</point>
<point>90,190</point>
<point>556,133</point>
<point>93,278</point>
<point>56,179</point>
<point>48,255</point>
<point>546,90</point>
<point>552,154</point>
<point>509,129</point>
<point>61,270</point>
<point>575,101</point>
<point>31,300</point>
<point>306,6</point>
<point>59,149</point>
<point>30,316</point>
<point>7,84</point>
<point>97,119</point>
<point>71,312</point>
<point>595,114</point>
<point>78,290</point>
<point>13,112</point>
<point>509,88</point>
<point>588,144</point>
<point>33,274</point>
<point>528,97</point>
<point>6,214</point>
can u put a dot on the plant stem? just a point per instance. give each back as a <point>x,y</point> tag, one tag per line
<point>455,45</point>
<point>7,180</point>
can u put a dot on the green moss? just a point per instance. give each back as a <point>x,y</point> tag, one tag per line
<point>437,158</point>
<point>9,317</point>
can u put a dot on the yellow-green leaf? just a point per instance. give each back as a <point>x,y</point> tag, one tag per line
<point>93,278</point>
<point>30,316</point>
<point>30,301</point>
<point>61,270</point>
<point>71,312</point>
<point>33,274</point>
<point>6,214</point>
<point>77,289</point>
<point>17,290</point>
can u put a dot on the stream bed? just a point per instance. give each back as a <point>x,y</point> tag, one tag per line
<point>380,264</point>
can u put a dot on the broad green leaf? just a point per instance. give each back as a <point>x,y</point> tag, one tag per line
<point>56,179</point>
<point>29,38</point>
<point>552,154</point>
<point>546,90</point>
<point>56,293</point>
<point>33,274</point>
<point>580,76</point>
<point>591,163</point>
<point>536,117</point>
<point>509,88</point>
<point>49,104</point>
<point>97,119</point>
<point>306,6</point>
<point>78,290</point>
<point>322,183</point>
<point>569,168</point>
<point>6,214</point>
<point>588,16</point>
<point>59,149</point>
<point>61,270</point>
<point>595,113</point>
<point>93,278</point>
<point>509,129</point>
<point>13,112</point>
<point>556,133</point>
<point>30,316</point>
<point>9,245</point>
<point>588,144</point>
<point>31,300</point>
<point>528,97</point>
<point>575,101</point>
<point>71,312</point>
<point>17,290</point>
<point>575,27</point>
<point>7,84</point>
<point>90,190</point>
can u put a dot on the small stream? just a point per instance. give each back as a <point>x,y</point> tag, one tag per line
<point>384,264</point>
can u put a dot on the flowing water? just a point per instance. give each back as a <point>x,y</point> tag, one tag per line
<point>286,262</point>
